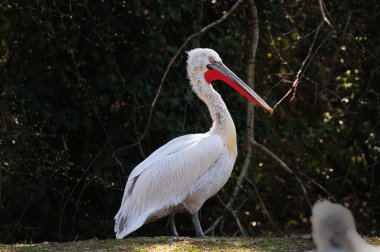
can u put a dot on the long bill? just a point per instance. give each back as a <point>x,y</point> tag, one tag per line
<point>218,71</point>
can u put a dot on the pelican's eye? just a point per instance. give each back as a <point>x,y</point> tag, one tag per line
<point>211,59</point>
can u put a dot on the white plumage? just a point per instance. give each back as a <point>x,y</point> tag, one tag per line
<point>181,175</point>
<point>334,230</point>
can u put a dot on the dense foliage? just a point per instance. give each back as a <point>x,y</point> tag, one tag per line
<point>77,80</point>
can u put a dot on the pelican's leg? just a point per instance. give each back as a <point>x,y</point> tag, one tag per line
<point>172,224</point>
<point>197,225</point>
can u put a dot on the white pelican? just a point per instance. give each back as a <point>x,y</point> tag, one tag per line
<point>334,230</point>
<point>181,175</point>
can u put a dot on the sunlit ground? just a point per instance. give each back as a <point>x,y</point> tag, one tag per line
<point>257,244</point>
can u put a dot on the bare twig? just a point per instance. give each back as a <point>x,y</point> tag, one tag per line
<point>265,210</point>
<point>285,167</point>
<point>322,7</point>
<point>214,224</point>
<point>237,220</point>
<point>284,62</point>
<point>300,70</point>
<point>234,214</point>
<point>18,221</point>
<point>372,53</point>
<point>243,202</point>
<point>135,129</point>
<point>76,185</point>
<point>171,62</point>
<point>117,160</point>
<point>318,185</point>
<point>198,22</point>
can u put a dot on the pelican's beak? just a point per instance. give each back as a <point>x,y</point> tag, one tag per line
<point>218,71</point>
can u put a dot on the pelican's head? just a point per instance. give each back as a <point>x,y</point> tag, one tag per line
<point>199,58</point>
<point>330,223</point>
<point>207,62</point>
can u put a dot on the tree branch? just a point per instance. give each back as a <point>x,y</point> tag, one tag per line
<point>318,185</point>
<point>214,224</point>
<point>237,220</point>
<point>285,167</point>
<point>234,214</point>
<point>300,70</point>
<point>322,7</point>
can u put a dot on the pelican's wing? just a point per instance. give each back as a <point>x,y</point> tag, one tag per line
<point>159,181</point>
<point>172,147</point>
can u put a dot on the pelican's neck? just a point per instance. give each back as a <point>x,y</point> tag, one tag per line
<point>223,124</point>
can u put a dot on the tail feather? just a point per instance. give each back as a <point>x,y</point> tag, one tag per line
<point>127,229</point>
<point>128,219</point>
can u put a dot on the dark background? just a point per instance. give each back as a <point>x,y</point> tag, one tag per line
<point>77,80</point>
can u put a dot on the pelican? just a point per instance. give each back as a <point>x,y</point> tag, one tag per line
<point>181,175</point>
<point>334,230</point>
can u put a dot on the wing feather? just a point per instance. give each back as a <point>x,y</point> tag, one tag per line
<point>173,146</point>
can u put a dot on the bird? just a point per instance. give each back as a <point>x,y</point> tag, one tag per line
<point>182,174</point>
<point>334,230</point>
